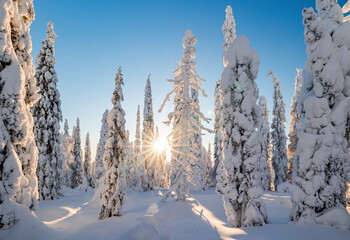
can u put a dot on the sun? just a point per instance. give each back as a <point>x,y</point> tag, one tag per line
<point>160,145</point>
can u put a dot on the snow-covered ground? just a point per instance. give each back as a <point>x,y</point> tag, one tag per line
<point>75,217</point>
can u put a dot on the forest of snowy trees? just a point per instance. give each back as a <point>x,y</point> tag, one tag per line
<point>251,153</point>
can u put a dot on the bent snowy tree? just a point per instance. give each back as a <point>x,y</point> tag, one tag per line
<point>241,117</point>
<point>113,197</point>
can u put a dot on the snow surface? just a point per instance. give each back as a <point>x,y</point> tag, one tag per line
<point>203,217</point>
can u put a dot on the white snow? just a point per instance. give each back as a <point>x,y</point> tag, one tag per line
<point>203,217</point>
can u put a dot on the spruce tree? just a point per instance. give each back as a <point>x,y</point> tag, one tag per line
<point>184,126</point>
<point>10,175</point>
<point>99,166</point>
<point>148,139</point>
<point>198,163</point>
<point>140,165</point>
<point>130,164</point>
<point>321,155</point>
<point>241,117</point>
<point>47,117</point>
<point>114,157</point>
<point>278,134</point>
<point>295,117</point>
<point>229,32</point>
<point>268,174</point>
<point>208,166</point>
<point>87,160</point>
<point>160,176</point>
<point>76,165</point>
<point>19,93</point>
<point>67,149</point>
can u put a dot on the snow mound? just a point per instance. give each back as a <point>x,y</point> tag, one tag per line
<point>337,217</point>
<point>284,187</point>
<point>143,231</point>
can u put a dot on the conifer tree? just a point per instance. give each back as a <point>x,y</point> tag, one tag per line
<point>67,149</point>
<point>113,197</point>
<point>47,117</point>
<point>130,164</point>
<point>208,166</point>
<point>99,166</point>
<point>268,174</point>
<point>87,160</point>
<point>229,32</point>
<point>148,139</point>
<point>183,122</point>
<point>10,175</point>
<point>198,163</point>
<point>19,92</point>
<point>140,165</point>
<point>321,155</point>
<point>295,117</point>
<point>241,117</point>
<point>160,176</point>
<point>278,134</point>
<point>76,165</point>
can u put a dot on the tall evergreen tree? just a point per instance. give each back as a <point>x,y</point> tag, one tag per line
<point>160,176</point>
<point>229,32</point>
<point>113,197</point>
<point>140,165</point>
<point>241,117</point>
<point>66,149</point>
<point>321,155</point>
<point>76,165</point>
<point>99,166</point>
<point>184,124</point>
<point>148,139</point>
<point>208,166</point>
<point>295,117</point>
<point>47,117</point>
<point>268,174</point>
<point>19,92</point>
<point>198,163</point>
<point>87,160</point>
<point>130,164</point>
<point>278,134</point>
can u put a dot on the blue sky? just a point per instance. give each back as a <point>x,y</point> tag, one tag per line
<point>94,38</point>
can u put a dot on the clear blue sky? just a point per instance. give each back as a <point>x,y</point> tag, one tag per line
<point>96,37</point>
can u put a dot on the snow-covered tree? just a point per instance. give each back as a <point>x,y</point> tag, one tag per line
<point>184,126</point>
<point>241,117</point>
<point>198,163</point>
<point>76,165</point>
<point>229,32</point>
<point>321,155</point>
<point>19,92</point>
<point>228,29</point>
<point>130,164</point>
<point>114,156</point>
<point>278,134</point>
<point>47,117</point>
<point>295,117</point>
<point>208,167</point>
<point>66,150</point>
<point>268,174</point>
<point>87,160</point>
<point>148,139</point>
<point>140,165</point>
<point>10,174</point>
<point>99,166</point>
